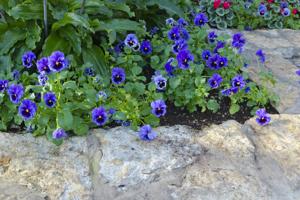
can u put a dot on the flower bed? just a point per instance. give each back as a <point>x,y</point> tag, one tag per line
<point>183,64</point>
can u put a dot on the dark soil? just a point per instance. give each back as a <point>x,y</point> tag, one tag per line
<point>199,120</point>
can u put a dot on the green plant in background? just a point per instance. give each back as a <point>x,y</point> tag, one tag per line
<point>252,14</point>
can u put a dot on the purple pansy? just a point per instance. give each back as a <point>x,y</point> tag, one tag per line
<point>146,133</point>
<point>27,109</point>
<point>159,108</point>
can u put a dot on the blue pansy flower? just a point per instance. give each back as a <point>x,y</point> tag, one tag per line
<point>174,33</point>
<point>179,45</point>
<point>205,55</point>
<point>238,41</point>
<point>215,81</point>
<point>59,134</point>
<point>169,67</point>
<point>131,40</point>
<point>57,61</point>
<point>28,58</point>
<point>43,65</point>
<point>160,82</point>
<point>238,81</point>
<point>146,133</point>
<point>146,47</point>
<point>99,116</point>
<point>213,62</point>
<point>230,91</point>
<point>50,99</point>
<point>262,117</point>
<point>184,57</point>
<point>43,79</point>
<point>16,74</point>
<point>15,92</point>
<point>212,36</point>
<point>200,20</point>
<point>27,109</point>
<point>3,85</point>
<point>159,108</point>
<point>118,75</point>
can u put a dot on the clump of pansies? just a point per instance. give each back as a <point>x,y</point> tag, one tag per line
<point>185,64</point>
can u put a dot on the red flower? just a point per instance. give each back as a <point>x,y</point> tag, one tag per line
<point>270,1</point>
<point>295,11</point>
<point>226,5</point>
<point>217,3</point>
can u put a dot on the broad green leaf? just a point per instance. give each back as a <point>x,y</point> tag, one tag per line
<point>70,34</point>
<point>65,119</point>
<point>169,6</point>
<point>74,19</point>
<point>9,39</point>
<point>54,43</point>
<point>120,6</point>
<point>213,105</point>
<point>33,35</point>
<point>234,108</point>
<point>27,10</point>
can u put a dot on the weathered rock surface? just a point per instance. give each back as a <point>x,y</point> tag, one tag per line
<point>230,161</point>
<point>282,48</point>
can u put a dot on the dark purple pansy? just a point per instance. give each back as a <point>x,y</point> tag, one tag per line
<point>205,55</point>
<point>179,45</point>
<point>131,40</point>
<point>99,116</point>
<point>43,65</point>
<point>174,33</point>
<point>262,117</point>
<point>118,75</point>
<point>27,109</point>
<point>238,81</point>
<point>238,41</point>
<point>214,62</point>
<point>15,93</point>
<point>146,47</point>
<point>215,81</point>
<point>3,85</point>
<point>298,72</point>
<point>212,36</point>
<point>169,67</point>
<point>200,19</point>
<point>160,82</point>
<point>261,55</point>
<point>57,61</point>
<point>184,57</point>
<point>50,99</point>
<point>59,134</point>
<point>28,58</point>
<point>146,133</point>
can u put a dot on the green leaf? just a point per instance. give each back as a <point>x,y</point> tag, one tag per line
<point>120,6</point>
<point>95,56</point>
<point>54,43</point>
<point>9,39</point>
<point>70,85</point>
<point>213,105</point>
<point>169,6</point>
<point>65,119</point>
<point>152,120</point>
<point>234,108</point>
<point>220,12</point>
<point>27,10</point>
<point>71,35</point>
<point>174,82</point>
<point>74,19</point>
<point>136,70</point>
